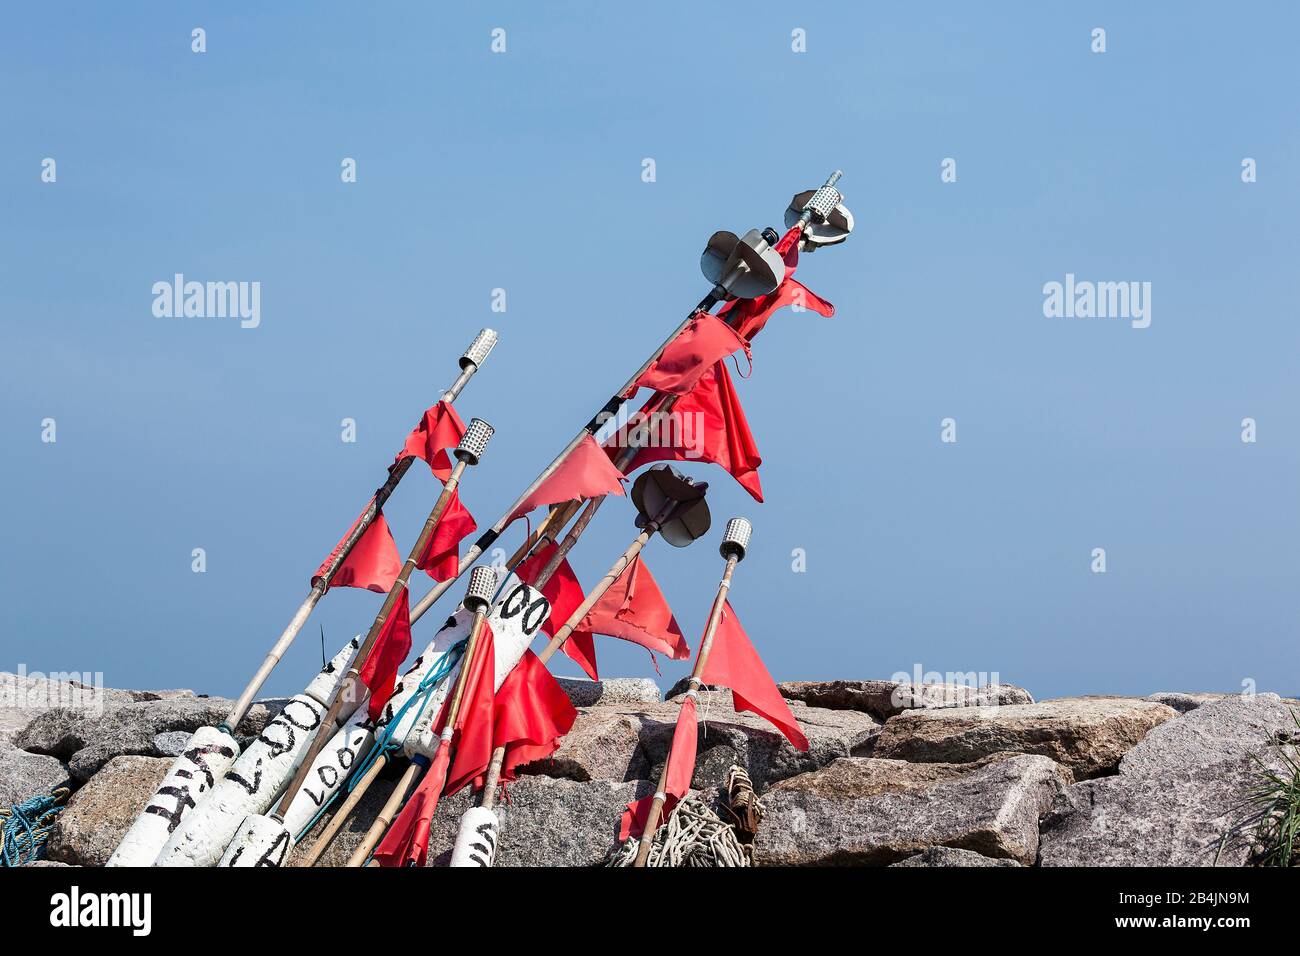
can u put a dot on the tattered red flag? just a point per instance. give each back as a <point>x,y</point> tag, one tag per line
<point>584,473</point>
<point>734,663</point>
<point>379,672</point>
<point>681,768</point>
<point>407,841</point>
<point>531,714</point>
<point>748,316</point>
<point>565,595</point>
<point>439,429</point>
<point>441,559</point>
<point>720,433</point>
<point>634,609</point>
<point>373,563</point>
<point>704,342</point>
<point>473,739</point>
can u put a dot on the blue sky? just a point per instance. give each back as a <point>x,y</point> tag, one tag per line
<point>522,171</point>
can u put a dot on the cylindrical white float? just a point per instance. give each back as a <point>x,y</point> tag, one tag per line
<point>263,841</point>
<point>260,841</point>
<point>515,618</point>
<point>258,775</point>
<point>476,841</point>
<point>208,755</point>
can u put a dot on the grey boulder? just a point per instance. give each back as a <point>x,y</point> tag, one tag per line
<point>946,856</point>
<point>867,811</point>
<point>611,690</point>
<point>89,741</point>
<point>884,698</point>
<point>97,817</point>
<point>1087,734</point>
<point>25,775</point>
<point>630,742</point>
<point>1182,796</point>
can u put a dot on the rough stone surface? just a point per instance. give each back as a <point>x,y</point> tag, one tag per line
<point>97,816</point>
<point>630,742</point>
<point>547,822</point>
<point>24,698</point>
<point>1226,729</point>
<point>847,815</point>
<point>613,690</point>
<point>550,822</point>
<point>944,856</point>
<point>1183,702</point>
<point>1181,797</point>
<point>25,775</point>
<point>883,698</point>
<point>172,743</point>
<point>88,742</point>
<point>1087,734</point>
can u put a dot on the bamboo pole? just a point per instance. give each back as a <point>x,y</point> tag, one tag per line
<point>734,543</point>
<point>467,453</point>
<point>481,597</point>
<point>469,364</point>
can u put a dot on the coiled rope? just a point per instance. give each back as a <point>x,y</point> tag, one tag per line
<point>693,836</point>
<point>25,827</point>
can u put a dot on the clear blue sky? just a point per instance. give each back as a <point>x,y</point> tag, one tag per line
<point>523,171</point>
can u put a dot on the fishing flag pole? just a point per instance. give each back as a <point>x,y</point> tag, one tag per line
<point>212,751</point>
<point>478,599</point>
<point>470,363</point>
<point>469,452</point>
<point>669,504</point>
<point>735,541</point>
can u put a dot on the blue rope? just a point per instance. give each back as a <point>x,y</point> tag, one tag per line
<point>384,743</point>
<point>25,826</point>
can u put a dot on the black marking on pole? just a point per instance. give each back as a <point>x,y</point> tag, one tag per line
<point>531,626</point>
<point>486,540</point>
<point>605,414</point>
<point>183,802</point>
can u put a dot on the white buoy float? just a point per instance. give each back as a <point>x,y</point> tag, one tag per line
<point>262,840</point>
<point>258,774</point>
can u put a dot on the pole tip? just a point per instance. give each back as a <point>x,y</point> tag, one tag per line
<point>472,446</point>
<point>482,585</point>
<point>478,350</point>
<point>735,540</point>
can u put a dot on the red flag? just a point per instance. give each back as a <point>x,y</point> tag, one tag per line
<point>439,429</point>
<point>474,721</point>
<point>441,559</point>
<point>565,594</point>
<point>584,473</point>
<point>379,672</point>
<point>407,841</point>
<point>712,414</point>
<point>748,316</point>
<point>681,767</point>
<point>634,609</point>
<point>373,563</point>
<point>531,714</point>
<point>704,342</point>
<point>734,663</point>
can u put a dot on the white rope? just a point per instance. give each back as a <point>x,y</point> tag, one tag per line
<point>693,836</point>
